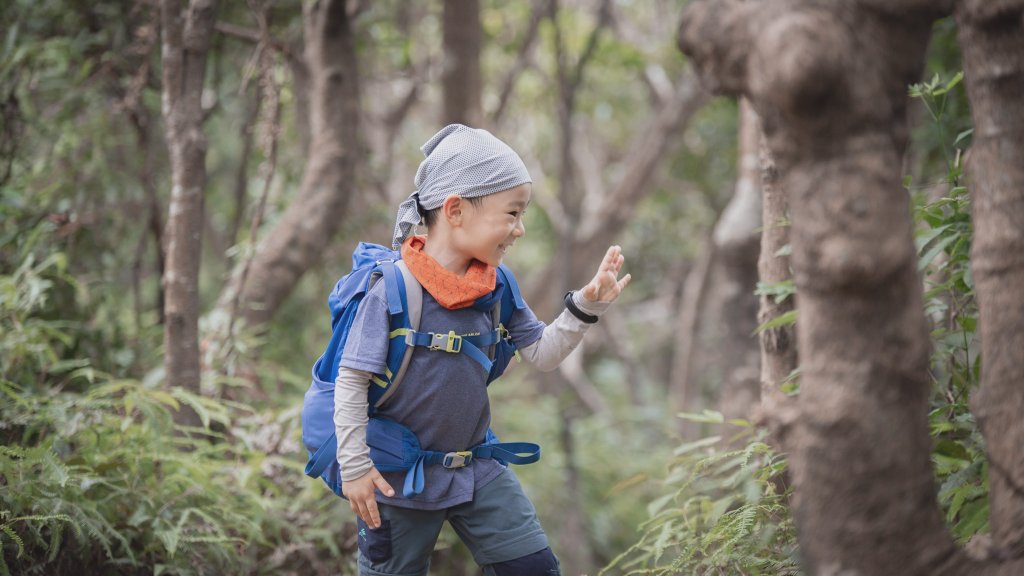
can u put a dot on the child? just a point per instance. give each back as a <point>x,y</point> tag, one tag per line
<point>472,190</point>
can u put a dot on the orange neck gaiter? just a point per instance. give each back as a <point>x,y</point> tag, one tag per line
<point>449,289</point>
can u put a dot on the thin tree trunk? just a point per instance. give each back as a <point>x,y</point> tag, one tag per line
<point>992,40</point>
<point>682,392</point>
<point>252,112</point>
<point>300,90</point>
<point>460,75</point>
<point>737,245</point>
<point>576,554</point>
<point>300,236</point>
<point>186,42</point>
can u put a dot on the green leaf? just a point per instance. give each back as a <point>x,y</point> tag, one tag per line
<point>974,519</point>
<point>934,251</point>
<point>963,136</point>
<point>659,504</point>
<point>949,85</point>
<point>709,416</point>
<point>968,323</point>
<point>697,444</point>
<point>785,319</point>
<point>779,290</point>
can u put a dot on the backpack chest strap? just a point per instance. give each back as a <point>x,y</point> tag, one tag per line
<point>453,343</point>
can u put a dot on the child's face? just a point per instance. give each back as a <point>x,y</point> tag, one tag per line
<point>490,228</point>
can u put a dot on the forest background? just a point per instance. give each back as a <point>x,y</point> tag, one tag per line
<point>116,458</point>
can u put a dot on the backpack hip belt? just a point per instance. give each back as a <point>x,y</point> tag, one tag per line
<point>395,448</point>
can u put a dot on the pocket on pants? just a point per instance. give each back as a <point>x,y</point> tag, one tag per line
<point>375,543</point>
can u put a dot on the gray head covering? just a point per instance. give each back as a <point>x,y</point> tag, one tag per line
<point>468,162</point>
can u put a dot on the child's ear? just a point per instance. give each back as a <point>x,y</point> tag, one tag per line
<point>452,210</point>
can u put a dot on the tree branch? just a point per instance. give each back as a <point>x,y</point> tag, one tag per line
<point>522,63</point>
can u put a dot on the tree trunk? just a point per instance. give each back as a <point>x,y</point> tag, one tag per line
<point>829,81</point>
<point>460,75</point>
<point>778,345</point>
<point>737,245</point>
<point>311,221</point>
<point>186,42</point>
<point>992,41</point>
<point>684,396</point>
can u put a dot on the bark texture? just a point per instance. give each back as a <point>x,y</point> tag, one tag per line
<point>460,75</point>
<point>992,41</point>
<point>299,238</point>
<point>186,42</point>
<point>829,81</point>
<point>779,356</point>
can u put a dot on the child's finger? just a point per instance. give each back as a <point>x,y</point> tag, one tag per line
<point>383,486</point>
<point>360,509</point>
<point>610,256</point>
<point>625,281</point>
<point>374,515</point>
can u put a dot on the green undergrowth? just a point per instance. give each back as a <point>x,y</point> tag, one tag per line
<point>105,482</point>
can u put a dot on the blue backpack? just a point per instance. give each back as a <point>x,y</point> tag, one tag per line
<point>393,447</point>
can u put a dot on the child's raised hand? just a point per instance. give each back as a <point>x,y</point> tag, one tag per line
<point>606,285</point>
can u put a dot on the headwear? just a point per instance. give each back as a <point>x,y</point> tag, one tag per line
<point>468,162</point>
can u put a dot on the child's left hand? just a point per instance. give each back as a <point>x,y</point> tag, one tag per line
<point>606,285</point>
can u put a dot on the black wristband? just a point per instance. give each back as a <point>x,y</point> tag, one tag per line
<point>571,307</point>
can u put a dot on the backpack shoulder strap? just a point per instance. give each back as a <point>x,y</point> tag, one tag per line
<point>511,299</point>
<point>413,297</point>
<point>512,295</point>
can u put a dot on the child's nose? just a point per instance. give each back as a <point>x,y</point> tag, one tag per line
<point>519,230</point>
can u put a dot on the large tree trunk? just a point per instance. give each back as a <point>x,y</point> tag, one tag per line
<point>186,42</point>
<point>460,75</point>
<point>992,40</point>
<point>311,221</point>
<point>829,81</point>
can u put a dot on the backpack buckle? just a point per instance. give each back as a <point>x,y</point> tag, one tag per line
<point>457,459</point>
<point>450,342</point>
